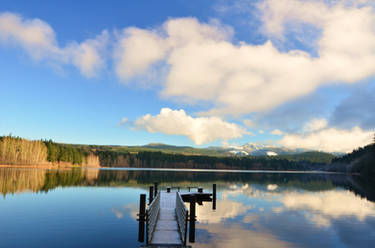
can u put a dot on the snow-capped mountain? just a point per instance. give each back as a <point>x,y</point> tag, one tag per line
<point>257,149</point>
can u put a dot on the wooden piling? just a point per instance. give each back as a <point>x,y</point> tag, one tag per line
<point>192,221</point>
<point>142,215</point>
<point>214,196</point>
<point>156,188</point>
<point>151,195</point>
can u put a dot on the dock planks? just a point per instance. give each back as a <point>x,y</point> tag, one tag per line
<point>166,231</point>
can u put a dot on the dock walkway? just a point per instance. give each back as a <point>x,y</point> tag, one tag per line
<point>167,217</point>
<point>166,230</point>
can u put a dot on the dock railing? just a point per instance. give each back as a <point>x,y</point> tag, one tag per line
<point>182,217</point>
<point>152,213</point>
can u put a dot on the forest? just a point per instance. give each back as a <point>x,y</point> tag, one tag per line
<point>19,151</point>
<point>361,161</point>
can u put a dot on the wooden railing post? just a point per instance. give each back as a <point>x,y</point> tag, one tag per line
<point>142,214</point>
<point>151,195</point>
<point>192,220</point>
<point>214,196</point>
<point>156,188</point>
<point>185,230</point>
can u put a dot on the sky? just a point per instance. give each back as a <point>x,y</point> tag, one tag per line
<point>291,73</point>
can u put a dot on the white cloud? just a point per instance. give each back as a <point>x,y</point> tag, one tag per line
<point>315,125</point>
<point>328,139</point>
<point>249,123</point>
<point>128,209</point>
<point>39,41</point>
<point>200,130</point>
<point>272,187</point>
<point>225,209</point>
<point>237,235</point>
<point>327,203</point>
<point>124,121</point>
<point>243,78</point>
<point>136,50</point>
<point>277,132</point>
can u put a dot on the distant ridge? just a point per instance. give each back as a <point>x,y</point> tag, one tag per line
<point>165,146</point>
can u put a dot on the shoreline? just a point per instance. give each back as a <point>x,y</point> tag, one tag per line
<point>39,166</point>
<point>170,169</point>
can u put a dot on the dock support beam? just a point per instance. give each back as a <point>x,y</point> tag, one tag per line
<point>214,196</point>
<point>151,195</point>
<point>142,215</point>
<point>192,221</point>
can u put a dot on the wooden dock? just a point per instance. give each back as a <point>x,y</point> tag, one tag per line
<point>167,217</point>
<point>167,230</point>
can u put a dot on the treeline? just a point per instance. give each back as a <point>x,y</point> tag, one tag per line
<point>159,159</point>
<point>361,160</point>
<point>313,157</point>
<point>146,159</point>
<point>356,154</point>
<point>19,151</point>
<point>64,153</point>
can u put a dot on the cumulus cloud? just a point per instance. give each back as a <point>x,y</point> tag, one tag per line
<point>136,50</point>
<point>277,132</point>
<point>236,235</point>
<point>128,209</point>
<point>315,125</point>
<point>240,78</point>
<point>225,209</point>
<point>326,203</point>
<point>328,139</point>
<point>200,130</point>
<point>38,39</point>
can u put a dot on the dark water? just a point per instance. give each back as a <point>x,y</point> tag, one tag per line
<point>97,208</point>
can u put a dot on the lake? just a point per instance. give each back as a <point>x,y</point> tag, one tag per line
<point>98,208</point>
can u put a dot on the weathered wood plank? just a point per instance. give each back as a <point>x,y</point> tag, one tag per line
<point>166,231</point>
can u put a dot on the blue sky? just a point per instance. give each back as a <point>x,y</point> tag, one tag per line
<point>197,73</point>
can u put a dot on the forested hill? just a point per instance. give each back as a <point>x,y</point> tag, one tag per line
<point>361,160</point>
<point>19,151</point>
<point>313,157</point>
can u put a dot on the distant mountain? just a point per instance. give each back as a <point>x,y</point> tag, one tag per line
<point>165,146</point>
<point>256,149</point>
<point>249,149</point>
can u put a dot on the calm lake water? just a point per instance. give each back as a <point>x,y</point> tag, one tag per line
<point>97,208</point>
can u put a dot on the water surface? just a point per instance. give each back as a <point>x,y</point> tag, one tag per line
<point>97,208</point>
